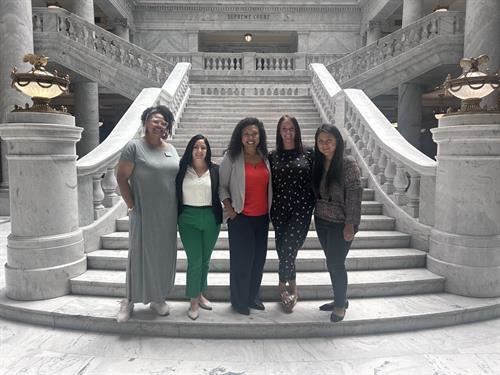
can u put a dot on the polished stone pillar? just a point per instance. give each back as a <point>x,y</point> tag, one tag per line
<point>410,112</point>
<point>410,94</point>
<point>45,248</point>
<point>465,241</point>
<point>86,92</point>
<point>374,32</point>
<point>482,33</point>
<point>412,11</point>
<point>87,115</point>
<point>16,40</point>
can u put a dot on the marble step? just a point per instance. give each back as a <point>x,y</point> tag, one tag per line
<point>181,140</point>
<point>363,240</point>
<point>313,285</point>
<point>307,261</point>
<point>372,315</point>
<point>234,99</point>
<point>210,131</point>
<point>256,109</point>
<point>368,222</point>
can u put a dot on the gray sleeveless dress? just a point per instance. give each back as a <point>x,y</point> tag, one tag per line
<point>153,222</point>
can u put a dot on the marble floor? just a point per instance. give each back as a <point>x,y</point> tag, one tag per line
<point>466,349</point>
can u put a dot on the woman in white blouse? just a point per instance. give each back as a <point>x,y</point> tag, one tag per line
<point>200,216</point>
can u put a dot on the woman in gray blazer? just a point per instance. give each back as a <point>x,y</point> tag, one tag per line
<point>245,191</point>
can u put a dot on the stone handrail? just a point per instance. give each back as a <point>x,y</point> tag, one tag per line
<point>323,58</point>
<point>414,35</point>
<point>402,172</point>
<point>88,35</point>
<point>96,171</point>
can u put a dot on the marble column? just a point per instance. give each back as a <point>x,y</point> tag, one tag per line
<point>412,11</point>
<point>16,40</point>
<point>482,30</point>
<point>86,92</point>
<point>410,94</point>
<point>45,248</point>
<point>465,241</point>
<point>374,32</point>
<point>410,112</point>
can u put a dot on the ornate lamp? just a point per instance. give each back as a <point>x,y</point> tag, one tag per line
<point>472,85</point>
<point>39,84</point>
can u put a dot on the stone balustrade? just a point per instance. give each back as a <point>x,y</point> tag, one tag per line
<point>410,37</point>
<point>90,36</point>
<point>400,171</point>
<point>269,61</point>
<point>97,184</point>
<point>323,58</point>
<point>222,61</point>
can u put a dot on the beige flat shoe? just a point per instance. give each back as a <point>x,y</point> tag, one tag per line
<point>193,315</point>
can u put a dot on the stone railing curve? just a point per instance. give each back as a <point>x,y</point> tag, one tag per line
<point>97,185</point>
<point>402,174</point>
<point>428,27</point>
<point>105,43</point>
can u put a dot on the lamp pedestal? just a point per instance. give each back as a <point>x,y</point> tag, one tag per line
<point>45,248</point>
<point>465,241</point>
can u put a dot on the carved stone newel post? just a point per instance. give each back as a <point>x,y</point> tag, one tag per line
<point>465,241</point>
<point>45,248</point>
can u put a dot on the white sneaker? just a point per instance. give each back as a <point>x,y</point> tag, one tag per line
<point>160,308</point>
<point>126,309</point>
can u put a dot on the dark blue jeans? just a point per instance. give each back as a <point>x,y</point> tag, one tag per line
<point>247,252</point>
<point>331,237</point>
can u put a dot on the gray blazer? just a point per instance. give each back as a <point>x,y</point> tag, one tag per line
<point>232,181</point>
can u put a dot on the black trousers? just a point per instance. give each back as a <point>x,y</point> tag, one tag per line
<point>247,252</point>
<point>331,237</point>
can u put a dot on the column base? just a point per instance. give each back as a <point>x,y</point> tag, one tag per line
<point>470,264</point>
<point>42,283</point>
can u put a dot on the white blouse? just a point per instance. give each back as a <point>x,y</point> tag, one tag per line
<point>196,191</point>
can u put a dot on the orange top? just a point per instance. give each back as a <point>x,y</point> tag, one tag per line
<point>256,181</point>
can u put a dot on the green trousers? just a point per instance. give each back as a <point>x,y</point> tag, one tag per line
<point>199,233</point>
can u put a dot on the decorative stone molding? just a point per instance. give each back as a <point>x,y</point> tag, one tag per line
<point>401,41</point>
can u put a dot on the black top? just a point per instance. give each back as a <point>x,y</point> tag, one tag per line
<point>214,183</point>
<point>291,178</point>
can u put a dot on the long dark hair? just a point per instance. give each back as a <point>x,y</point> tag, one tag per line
<point>298,137</point>
<point>235,146</point>
<point>335,171</point>
<point>187,157</point>
<point>162,110</point>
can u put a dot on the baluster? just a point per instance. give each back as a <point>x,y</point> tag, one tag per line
<point>382,163</point>
<point>389,173</point>
<point>359,138</point>
<point>400,184</point>
<point>376,158</point>
<point>98,196</point>
<point>366,139</point>
<point>413,193</point>
<point>369,151</point>
<point>109,185</point>
<point>268,64</point>
<point>434,28</point>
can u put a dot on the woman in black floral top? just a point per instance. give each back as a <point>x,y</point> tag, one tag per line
<point>293,203</point>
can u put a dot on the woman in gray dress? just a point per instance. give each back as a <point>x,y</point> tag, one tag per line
<point>146,177</point>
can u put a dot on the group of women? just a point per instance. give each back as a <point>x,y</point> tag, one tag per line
<point>285,186</point>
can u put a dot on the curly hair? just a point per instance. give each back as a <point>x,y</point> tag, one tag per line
<point>236,146</point>
<point>162,110</point>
